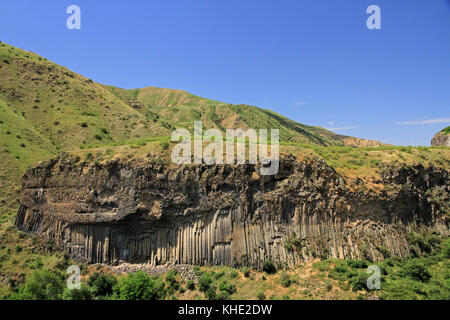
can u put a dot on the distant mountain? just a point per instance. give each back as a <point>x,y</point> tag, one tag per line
<point>442,138</point>
<point>177,108</point>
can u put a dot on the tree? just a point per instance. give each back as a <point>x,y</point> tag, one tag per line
<point>140,286</point>
<point>204,283</point>
<point>84,293</point>
<point>102,285</point>
<point>269,267</point>
<point>43,285</point>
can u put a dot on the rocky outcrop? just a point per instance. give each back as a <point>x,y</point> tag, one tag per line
<point>144,211</point>
<point>442,138</point>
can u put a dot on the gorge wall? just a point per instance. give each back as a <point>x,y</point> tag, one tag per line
<point>144,211</point>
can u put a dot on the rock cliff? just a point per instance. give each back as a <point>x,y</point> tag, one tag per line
<point>145,211</point>
<point>442,138</point>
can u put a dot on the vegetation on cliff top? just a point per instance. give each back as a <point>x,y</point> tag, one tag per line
<point>446,130</point>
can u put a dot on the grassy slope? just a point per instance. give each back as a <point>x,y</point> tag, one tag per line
<point>177,108</point>
<point>67,108</point>
<point>20,146</point>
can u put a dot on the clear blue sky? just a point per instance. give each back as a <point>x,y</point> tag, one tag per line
<point>313,61</point>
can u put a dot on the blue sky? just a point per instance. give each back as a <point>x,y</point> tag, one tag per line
<point>314,61</point>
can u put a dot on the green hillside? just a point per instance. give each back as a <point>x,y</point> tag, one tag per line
<point>446,130</point>
<point>177,108</point>
<point>69,109</point>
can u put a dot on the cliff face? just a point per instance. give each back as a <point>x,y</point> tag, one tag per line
<point>441,139</point>
<point>145,211</point>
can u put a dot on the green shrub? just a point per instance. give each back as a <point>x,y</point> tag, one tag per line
<point>234,274</point>
<point>357,264</point>
<point>84,293</point>
<point>222,295</point>
<point>140,286</point>
<point>246,272</point>
<point>171,276</point>
<point>269,267</point>
<point>417,271</point>
<point>204,283</point>
<point>190,285</point>
<point>197,271</point>
<point>210,293</point>
<point>164,145</point>
<point>38,263</point>
<point>228,287</point>
<point>261,296</point>
<point>285,279</point>
<point>218,275</point>
<point>360,282</point>
<point>323,265</point>
<point>43,285</point>
<point>102,285</point>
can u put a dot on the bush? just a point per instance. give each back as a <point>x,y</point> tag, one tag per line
<point>164,145</point>
<point>269,267</point>
<point>84,125</point>
<point>234,274</point>
<point>190,285</point>
<point>285,279</point>
<point>360,283</point>
<point>197,271</point>
<point>43,285</point>
<point>210,293</point>
<point>171,280</point>
<point>102,285</point>
<point>446,249</point>
<point>84,293</point>
<point>218,275</point>
<point>38,263</point>
<point>357,264</point>
<point>246,272</point>
<point>417,271</point>
<point>261,296</point>
<point>171,276</point>
<point>140,286</point>
<point>223,295</point>
<point>228,287</point>
<point>204,283</point>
